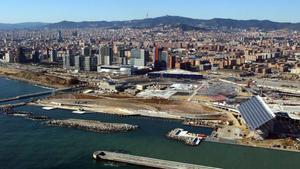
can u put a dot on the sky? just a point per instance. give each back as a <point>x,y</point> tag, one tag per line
<point>16,11</point>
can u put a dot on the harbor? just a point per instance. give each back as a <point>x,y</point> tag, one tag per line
<point>152,132</point>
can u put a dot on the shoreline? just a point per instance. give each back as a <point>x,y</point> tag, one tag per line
<point>35,83</point>
<point>181,120</point>
<point>157,115</point>
<point>252,146</point>
<point>170,117</point>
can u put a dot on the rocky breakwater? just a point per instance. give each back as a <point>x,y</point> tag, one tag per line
<point>24,114</point>
<point>91,125</point>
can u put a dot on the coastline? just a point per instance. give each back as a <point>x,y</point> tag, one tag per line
<point>124,113</point>
<point>251,146</point>
<point>35,83</point>
<point>157,115</point>
<point>213,140</point>
<point>33,77</point>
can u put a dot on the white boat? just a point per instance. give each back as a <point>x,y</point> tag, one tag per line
<point>48,108</point>
<point>79,111</point>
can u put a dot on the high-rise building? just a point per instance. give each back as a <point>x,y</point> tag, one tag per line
<point>8,57</point>
<point>53,55</point>
<point>171,62</point>
<point>160,58</point>
<point>86,51</point>
<point>105,56</point>
<point>94,61</point>
<point>59,36</point>
<point>157,52</point>
<point>36,57</point>
<point>122,56</point>
<point>90,63</point>
<point>79,62</point>
<point>68,61</point>
<point>138,57</point>
<point>21,57</point>
<point>164,60</point>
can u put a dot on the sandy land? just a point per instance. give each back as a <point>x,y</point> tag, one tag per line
<point>128,106</point>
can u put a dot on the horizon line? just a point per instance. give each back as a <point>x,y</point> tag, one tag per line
<point>117,20</point>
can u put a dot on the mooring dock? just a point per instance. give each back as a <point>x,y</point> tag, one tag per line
<point>144,161</point>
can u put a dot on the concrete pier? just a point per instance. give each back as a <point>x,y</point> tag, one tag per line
<point>144,161</point>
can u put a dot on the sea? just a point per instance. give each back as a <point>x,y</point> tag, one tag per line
<point>26,144</point>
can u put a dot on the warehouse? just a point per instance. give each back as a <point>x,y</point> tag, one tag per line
<point>176,73</point>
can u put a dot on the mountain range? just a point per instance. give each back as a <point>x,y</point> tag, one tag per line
<point>177,21</point>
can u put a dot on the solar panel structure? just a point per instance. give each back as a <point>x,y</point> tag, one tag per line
<point>255,112</point>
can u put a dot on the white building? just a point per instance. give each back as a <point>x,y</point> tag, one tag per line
<point>8,58</point>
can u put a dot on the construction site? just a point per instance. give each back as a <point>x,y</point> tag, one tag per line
<point>213,101</point>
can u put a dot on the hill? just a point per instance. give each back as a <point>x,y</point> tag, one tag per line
<point>176,21</point>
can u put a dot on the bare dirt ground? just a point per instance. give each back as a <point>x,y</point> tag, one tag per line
<point>138,103</point>
<point>36,78</point>
<point>287,144</point>
<point>130,104</point>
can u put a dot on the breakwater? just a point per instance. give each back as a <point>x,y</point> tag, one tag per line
<point>91,125</point>
<point>9,111</point>
<point>88,125</point>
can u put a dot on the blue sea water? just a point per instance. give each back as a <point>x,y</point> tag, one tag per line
<point>26,144</point>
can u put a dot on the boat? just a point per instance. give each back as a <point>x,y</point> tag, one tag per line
<point>192,139</point>
<point>48,108</point>
<point>79,111</point>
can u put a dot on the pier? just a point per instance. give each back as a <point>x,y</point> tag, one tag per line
<point>144,161</point>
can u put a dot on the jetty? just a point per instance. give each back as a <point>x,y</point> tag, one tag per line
<point>9,111</point>
<point>13,105</point>
<point>144,161</point>
<point>92,125</point>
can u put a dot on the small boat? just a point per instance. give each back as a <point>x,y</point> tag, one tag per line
<point>48,108</point>
<point>79,111</point>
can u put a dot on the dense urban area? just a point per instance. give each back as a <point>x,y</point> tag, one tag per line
<point>243,83</point>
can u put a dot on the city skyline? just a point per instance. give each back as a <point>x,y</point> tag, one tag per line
<point>79,10</point>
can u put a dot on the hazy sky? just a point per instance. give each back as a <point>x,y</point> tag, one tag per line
<point>12,11</point>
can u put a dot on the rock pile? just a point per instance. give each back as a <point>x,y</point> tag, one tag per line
<point>92,125</point>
